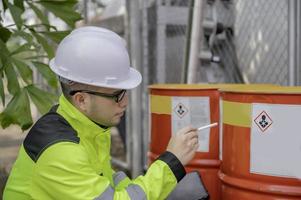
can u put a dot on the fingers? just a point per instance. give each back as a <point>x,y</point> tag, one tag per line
<point>189,137</point>
<point>184,144</point>
<point>186,130</point>
<point>193,143</point>
<point>196,147</point>
<point>192,134</point>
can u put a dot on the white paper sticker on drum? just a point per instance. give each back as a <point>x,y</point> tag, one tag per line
<point>276,140</point>
<point>193,111</point>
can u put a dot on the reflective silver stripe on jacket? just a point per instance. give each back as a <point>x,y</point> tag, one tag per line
<point>118,177</point>
<point>134,191</point>
<point>108,194</point>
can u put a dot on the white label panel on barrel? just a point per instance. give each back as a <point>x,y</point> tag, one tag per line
<point>193,111</point>
<point>276,140</point>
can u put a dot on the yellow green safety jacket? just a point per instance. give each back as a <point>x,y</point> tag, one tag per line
<point>66,156</point>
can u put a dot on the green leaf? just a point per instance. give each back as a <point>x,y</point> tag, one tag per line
<point>17,111</point>
<point>5,4</point>
<point>39,26</point>
<point>22,48</point>
<point>39,13</point>
<point>56,36</point>
<point>28,37</point>
<point>16,13</point>
<point>63,10</point>
<point>2,92</point>
<point>4,34</point>
<point>43,100</point>
<point>35,57</point>
<point>24,70</point>
<point>6,64</point>
<point>12,80</point>
<point>49,49</point>
<point>19,4</point>
<point>46,73</point>
<point>4,53</point>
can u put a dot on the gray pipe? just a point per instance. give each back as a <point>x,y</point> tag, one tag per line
<point>195,41</point>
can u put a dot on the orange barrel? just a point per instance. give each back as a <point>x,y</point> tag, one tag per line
<point>261,144</point>
<point>165,99</point>
<point>174,106</point>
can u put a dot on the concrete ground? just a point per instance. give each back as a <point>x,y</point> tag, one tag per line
<point>10,140</point>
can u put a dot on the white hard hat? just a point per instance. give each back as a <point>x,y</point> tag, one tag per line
<point>95,56</point>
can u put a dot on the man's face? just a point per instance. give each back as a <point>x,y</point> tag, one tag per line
<point>104,110</point>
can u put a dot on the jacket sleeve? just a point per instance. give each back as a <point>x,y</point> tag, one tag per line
<point>159,180</point>
<point>63,172</point>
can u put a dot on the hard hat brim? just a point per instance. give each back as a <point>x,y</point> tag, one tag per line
<point>133,80</point>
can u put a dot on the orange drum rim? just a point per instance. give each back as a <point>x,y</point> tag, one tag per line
<point>256,186</point>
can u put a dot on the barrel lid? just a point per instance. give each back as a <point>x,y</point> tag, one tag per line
<point>183,86</point>
<point>264,90</point>
<point>205,86</point>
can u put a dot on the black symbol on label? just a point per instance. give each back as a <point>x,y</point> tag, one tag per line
<point>180,110</point>
<point>263,123</point>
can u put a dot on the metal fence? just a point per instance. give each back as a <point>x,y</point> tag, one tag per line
<point>261,35</point>
<point>165,40</point>
<point>252,45</point>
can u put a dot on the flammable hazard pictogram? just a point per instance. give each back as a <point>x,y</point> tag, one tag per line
<point>263,121</point>
<point>180,110</point>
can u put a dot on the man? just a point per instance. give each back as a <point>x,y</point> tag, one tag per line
<point>66,153</point>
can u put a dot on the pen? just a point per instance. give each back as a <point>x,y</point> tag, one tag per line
<point>207,126</point>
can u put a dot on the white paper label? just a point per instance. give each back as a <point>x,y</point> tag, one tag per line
<point>193,111</point>
<point>276,140</point>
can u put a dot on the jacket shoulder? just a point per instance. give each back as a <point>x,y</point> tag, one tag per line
<point>47,131</point>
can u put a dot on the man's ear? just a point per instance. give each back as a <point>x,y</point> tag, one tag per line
<point>81,101</point>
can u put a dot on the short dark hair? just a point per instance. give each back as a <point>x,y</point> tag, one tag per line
<point>68,85</point>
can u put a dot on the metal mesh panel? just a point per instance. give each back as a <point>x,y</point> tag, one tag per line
<point>253,46</point>
<point>261,38</point>
<point>166,23</point>
<point>175,46</point>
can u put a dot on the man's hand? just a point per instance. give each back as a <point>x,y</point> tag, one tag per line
<point>184,144</point>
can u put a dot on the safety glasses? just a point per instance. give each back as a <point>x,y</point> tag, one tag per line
<point>117,96</point>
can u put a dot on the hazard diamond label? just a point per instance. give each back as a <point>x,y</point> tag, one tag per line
<point>263,121</point>
<point>180,110</point>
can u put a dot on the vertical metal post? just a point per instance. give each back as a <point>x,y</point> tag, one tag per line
<point>298,42</point>
<point>86,11</point>
<point>128,116</point>
<point>161,47</point>
<point>292,41</point>
<point>135,104</point>
<point>184,74</point>
<point>145,82</point>
<point>195,41</point>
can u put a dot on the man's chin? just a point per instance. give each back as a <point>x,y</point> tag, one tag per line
<point>114,122</point>
<point>109,124</point>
